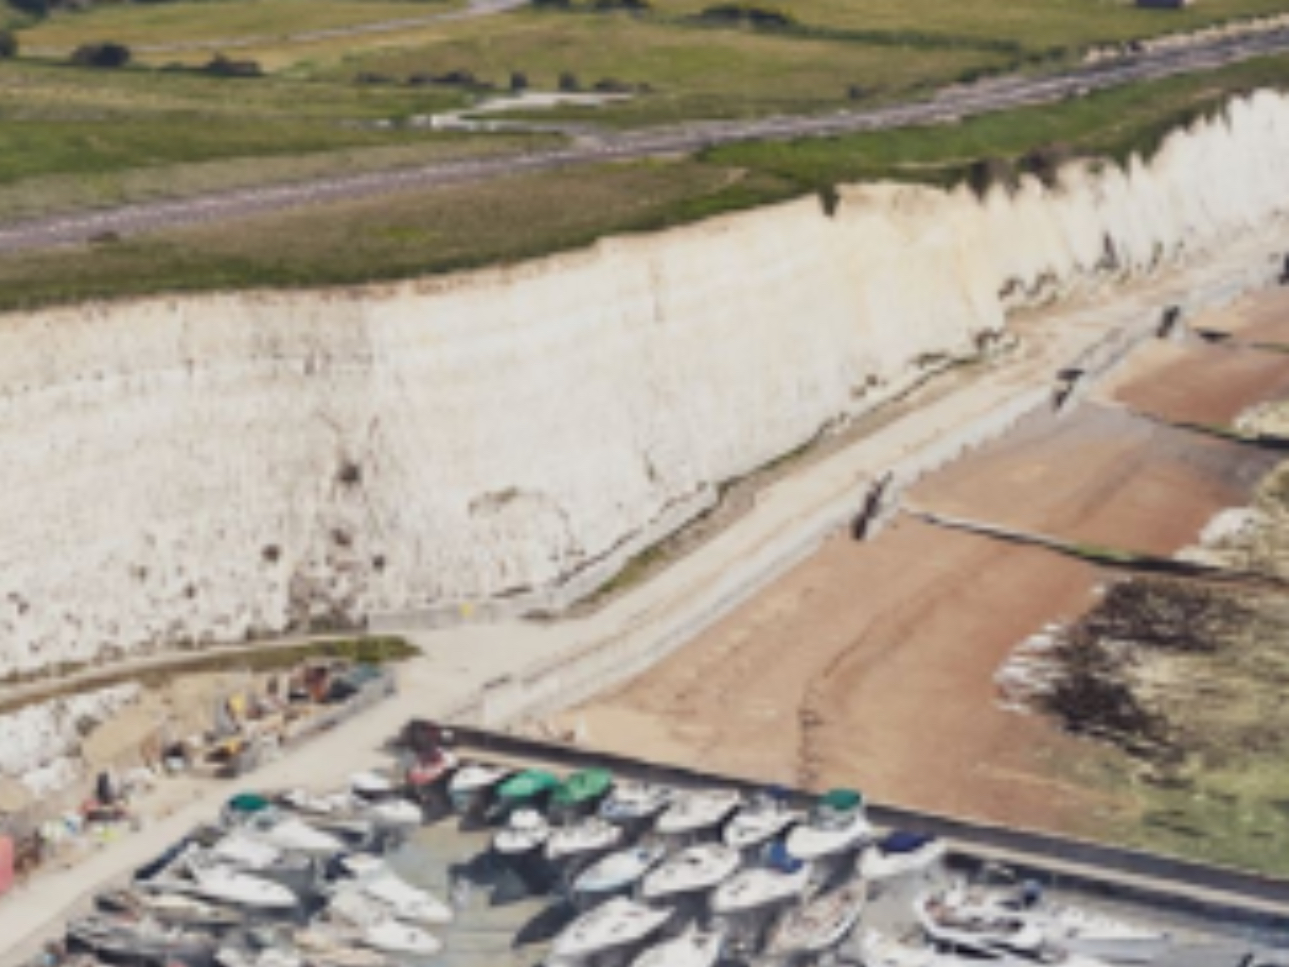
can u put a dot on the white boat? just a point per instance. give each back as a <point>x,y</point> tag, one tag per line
<point>955,918</point>
<point>373,926</point>
<point>615,924</point>
<point>631,801</point>
<point>876,950</point>
<point>525,832</point>
<point>287,833</point>
<point>330,946</point>
<point>837,825</point>
<point>168,907</point>
<point>473,782</point>
<point>269,957</point>
<point>819,925</point>
<point>119,938</point>
<point>373,876</point>
<point>393,937</point>
<point>619,870</point>
<point>691,949</point>
<point>393,812</point>
<point>762,819</point>
<point>370,784</point>
<point>589,835</point>
<point>245,853</point>
<point>899,854</point>
<point>1093,934</point>
<point>758,888</point>
<point>693,811</point>
<point>701,867</point>
<point>213,881</point>
<point>1081,932</point>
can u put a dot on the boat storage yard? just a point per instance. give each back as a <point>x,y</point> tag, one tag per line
<point>476,849</point>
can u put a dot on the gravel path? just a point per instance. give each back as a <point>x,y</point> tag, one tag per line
<point>951,105</point>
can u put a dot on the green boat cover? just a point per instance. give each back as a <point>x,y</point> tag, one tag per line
<point>527,784</point>
<point>842,800</point>
<point>248,802</point>
<point>583,786</point>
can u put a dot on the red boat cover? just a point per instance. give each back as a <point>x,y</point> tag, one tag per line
<point>6,864</point>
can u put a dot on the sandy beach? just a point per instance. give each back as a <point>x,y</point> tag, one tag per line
<point>871,664</point>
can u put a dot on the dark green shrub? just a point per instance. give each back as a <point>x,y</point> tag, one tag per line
<point>101,55</point>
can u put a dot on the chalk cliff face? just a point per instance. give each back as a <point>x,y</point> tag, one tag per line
<point>207,468</point>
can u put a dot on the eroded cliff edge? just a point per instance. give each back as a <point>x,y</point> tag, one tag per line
<point>215,467</point>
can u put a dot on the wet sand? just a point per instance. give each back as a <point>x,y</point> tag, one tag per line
<point>1197,382</point>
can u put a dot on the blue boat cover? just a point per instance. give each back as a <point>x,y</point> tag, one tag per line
<point>902,841</point>
<point>778,858</point>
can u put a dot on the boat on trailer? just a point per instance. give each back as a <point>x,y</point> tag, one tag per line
<point>525,834</point>
<point>697,811</point>
<point>898,854</point>
<point>613,925</point>
<point>474,784</point>
<point>585,837</point>
<point>763,818</point>
<point>372,876</point>
<point>140,903</point>
<point>693,870</point>
<point>695,948</point>
<point>837,825</point>
<point>632,802</point>
<point>762,887</point>
<point>132,941</point>
<point>818,926</point>
<point>618,871</point>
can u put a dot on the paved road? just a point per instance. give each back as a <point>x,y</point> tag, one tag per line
<point>950,105</point>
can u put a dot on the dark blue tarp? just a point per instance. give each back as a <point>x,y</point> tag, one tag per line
<point>778,858</point>
<point>902,841</point>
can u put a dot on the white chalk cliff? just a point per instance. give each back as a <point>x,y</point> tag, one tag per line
<point>212,467</point>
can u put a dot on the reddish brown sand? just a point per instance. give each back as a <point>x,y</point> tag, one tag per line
<point>1197,382</point>
<point>872,665</point>
<point>1099,476</point>
<point>1263,317</point>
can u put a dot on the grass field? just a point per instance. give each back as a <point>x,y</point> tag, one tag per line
<point>690,72</point>
<point>1220,793</point>
<point>1110,124</point>
<point>76,138</point>
<point>500,221</point>
<point>1035,25</point>
<point>177,25</point>
<point>511,219</point>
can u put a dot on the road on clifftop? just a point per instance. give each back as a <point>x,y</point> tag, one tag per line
<point>993,95</point>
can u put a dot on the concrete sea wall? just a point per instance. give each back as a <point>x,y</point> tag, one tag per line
<point>211,468</point>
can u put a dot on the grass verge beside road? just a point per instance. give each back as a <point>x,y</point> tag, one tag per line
<point>509,219</point>
<point>1112,124</point>
<point>419,232</point>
